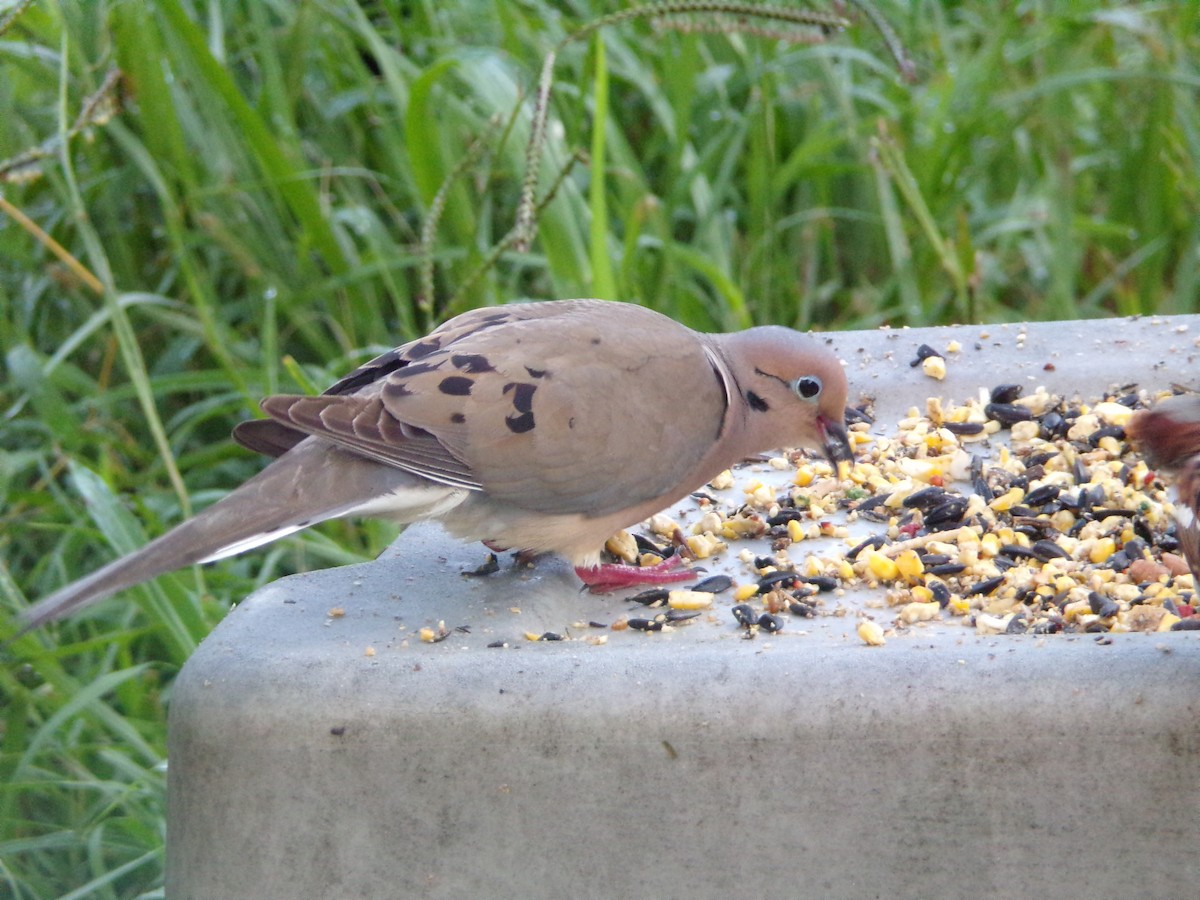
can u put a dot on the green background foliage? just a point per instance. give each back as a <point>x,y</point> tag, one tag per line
<point>271,191</point>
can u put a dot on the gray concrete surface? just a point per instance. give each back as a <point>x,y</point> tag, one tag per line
<point>319,756</point>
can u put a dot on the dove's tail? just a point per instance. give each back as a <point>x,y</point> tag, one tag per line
<point>310,484</point>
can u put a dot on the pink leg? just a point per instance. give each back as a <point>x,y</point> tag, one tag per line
<point>614,576</point>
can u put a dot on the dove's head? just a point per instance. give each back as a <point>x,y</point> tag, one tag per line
<point>793,388</point>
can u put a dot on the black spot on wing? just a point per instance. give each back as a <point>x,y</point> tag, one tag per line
<point>473,363</point>
<point>521,394</point>
<point>417,369</point>
<point>457,418</point>
<point>756,402</point>
<point>519,424</point>
<point>394,390</point>
<point>423,348</point>
<point>456,385</point>
<point>368,373</point>
<point>536,373</point>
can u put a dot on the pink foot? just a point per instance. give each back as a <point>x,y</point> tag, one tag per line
<point>614,576</point>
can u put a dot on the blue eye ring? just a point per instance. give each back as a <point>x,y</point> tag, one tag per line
<point>808,387</point>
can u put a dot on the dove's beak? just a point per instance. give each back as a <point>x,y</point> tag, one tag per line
<point>835,442</point>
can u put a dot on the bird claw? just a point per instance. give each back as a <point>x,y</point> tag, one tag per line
<point>614,576</point>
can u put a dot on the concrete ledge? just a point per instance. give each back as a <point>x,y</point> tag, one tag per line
<point>313,756</point>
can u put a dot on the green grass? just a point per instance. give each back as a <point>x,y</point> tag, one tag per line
<point>291,186</point>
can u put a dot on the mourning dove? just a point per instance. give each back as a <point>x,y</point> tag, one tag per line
<point>537,426</point>
<point>1170,436</point>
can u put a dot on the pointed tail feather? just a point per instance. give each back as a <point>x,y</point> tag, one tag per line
<point>310,484</point>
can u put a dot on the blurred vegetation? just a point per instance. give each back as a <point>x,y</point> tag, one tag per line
<point>205,202</point>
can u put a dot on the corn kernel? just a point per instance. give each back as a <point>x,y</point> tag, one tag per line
<point>689,599</point>
<point>920,612</point>
<point>795,530</point>
<point>934,367</point>
<point>1102,550</point>
<point>623,546</point>
<point>1007,500</point>
<point>744,592</point>
<point>871,633</point>
<point>722,482</point>
<point>882,567</point>
<point>908,564</point>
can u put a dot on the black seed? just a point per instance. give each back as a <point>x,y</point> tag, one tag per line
<point>555,636</point>
<point>923,353</point>
<point>770,623</point>
<point>1046,550</point>
<point>802,609</point>
<point>681,615</point>
<point>855,415</point>
<point>1002,562</point>
<point>1191,623</point>
<point>986,586</point>
<point>770,582</point>
<point>655,624</point>
<point>456,385</point>
<point>1114,431</point>
<point>597,624</point>
<point>1135,548</point>
<point>947,569</point>
<point>1016,625</point>
<point>949,512</point>
<point>713,584</point>
<point>1080,473</point>
<point>940,592</point>
<point>652,597</point>
<point>785,515</point>
<point>934,559</point>
<point>1007,413</point>
<point>646,545</point>
<point>1005,393</point>
<point>1053,426</point>
<point>743,613</point>
<point>963,427</point>
<point>1016,551</point>
<point>823,583</point>
<point>1040,459</point>
<point>1109,513</point>
<point>497,644</point>
<point>924,499</point>
<point>1040,496</point>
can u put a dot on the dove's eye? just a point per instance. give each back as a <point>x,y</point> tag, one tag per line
<point>807,387</point>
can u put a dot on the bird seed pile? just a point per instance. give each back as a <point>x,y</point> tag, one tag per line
<point>1007,513</point>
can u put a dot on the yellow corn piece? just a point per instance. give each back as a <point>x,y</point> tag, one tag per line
<point>1007,500</point>
<point>795,530</point>
<point>908,564</point>
<point>744,592</point>
<point>871,633</point>
<point>689,600</point>
<point>1102,550</point>
<point>882,567</point>
<point>920,612</point>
